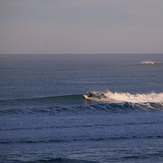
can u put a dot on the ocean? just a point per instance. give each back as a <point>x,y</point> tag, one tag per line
<point>45,117</point>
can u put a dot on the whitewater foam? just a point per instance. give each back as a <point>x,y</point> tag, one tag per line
<point>114,97</point>
<point>148,62</point>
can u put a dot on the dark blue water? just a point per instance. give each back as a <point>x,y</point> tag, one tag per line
<point>45,118</point>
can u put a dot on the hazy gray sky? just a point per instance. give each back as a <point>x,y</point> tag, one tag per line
<point>81,26</point>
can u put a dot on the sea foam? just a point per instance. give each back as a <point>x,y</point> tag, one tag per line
<point>113,97</point>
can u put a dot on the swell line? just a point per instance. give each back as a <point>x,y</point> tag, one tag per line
<point>80,139</point>
<point>87,109</point>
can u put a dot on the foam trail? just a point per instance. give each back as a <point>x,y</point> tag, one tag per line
<point>127,97</point>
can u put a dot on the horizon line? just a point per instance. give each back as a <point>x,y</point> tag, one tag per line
<point>75,53</point>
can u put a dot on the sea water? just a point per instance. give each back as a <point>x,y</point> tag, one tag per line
<point>45,118</point>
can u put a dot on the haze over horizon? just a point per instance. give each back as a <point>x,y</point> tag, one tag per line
<point>81,26</point>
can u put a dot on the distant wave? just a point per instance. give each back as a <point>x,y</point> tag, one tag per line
<point>150,63</point>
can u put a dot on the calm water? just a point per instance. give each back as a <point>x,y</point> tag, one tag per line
<point>45,118</point>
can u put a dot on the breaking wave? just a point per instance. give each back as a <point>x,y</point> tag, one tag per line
<point>112,102</point>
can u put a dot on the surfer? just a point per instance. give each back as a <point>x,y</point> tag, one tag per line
<point>90,94</point>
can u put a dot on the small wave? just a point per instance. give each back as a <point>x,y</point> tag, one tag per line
<point>55,160</point>
<point>76,139</point>
<point>87,109</point>
<point>62,160</point>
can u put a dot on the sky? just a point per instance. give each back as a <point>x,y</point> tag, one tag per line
<point>81,26</point>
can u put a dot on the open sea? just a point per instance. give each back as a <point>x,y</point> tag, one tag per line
<point>44,117</point>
